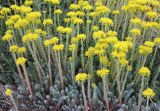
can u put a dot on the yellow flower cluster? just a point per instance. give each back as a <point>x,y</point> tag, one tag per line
<point>13,48</point>
<point>58,11</point>
<point>102,72</point>
<point>151,14</point>
<point>48,22</point>
<point>149,44</point>
<point>148,92</point>
<point>54,2</point>
<point>7,37</point>
<point>59,47</point>
<point>99,34</point>
<point>81,36</point>
<point>33,15</point>
<point>90,52</point>
<point>144,71</point>
<point>106,21</point>
<point>81,77</point>
<point>144,50</point>
<point>61,29</point>
<point>72,47</point>
<point>21,61</point>
<point>30,37</point>
<point>74,7</point>
<point>4,11</point>
<point>104,60</point>
<point>8,92</point>
<point>21,50</point>
<point>136,32</point>
<point>157,41</point>
<point>21,23</point>
<point>136,21</point>
<point>51,41</point>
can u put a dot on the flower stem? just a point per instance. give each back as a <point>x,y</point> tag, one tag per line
<point>84,97</point>
<point>105,93</point>
<point>140,94</point>
<point>16,108</point>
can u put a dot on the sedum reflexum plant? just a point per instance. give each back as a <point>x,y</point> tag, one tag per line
<point>109,47</point>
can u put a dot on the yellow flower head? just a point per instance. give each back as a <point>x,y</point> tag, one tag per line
<point>95,28</point>
<point>102,9</point>
<point>8,92</point>
<point>157,41</point>
<point>80,13</point>
<point>115,12</point>
<point>21,23</point>
<point>120,54</point>
<point>4,11</point>
<point>33,15</point>
<point>112,40</point>
<point>60,29</point>
<point>13,48</point>
<point>30,37</point>
<point>72,47</point>
<point>27,3</point>
<point>15,8</point>
<point>77,21</point>
<point>15,17</point>
<point>67,20</point>
<point>58,11</point>
<point>21,50</point>
<point>25,9</point>
<point>106,21</point>
<point>90,52</point>
<point>103,60</point>
<point>129,68</point>
<point>102,72</point>
<point>87,7</point>
<point>111,33</point>
<point>136,32</point>
<point>135,21</point>
<point>81,77</point>
<point>81,36</point>
<point>151,14</point>
<point>48,22</point>
<point>9,22</point>
<point>21,61</point>
<point>67,30</point>
<point>54,2</point>
<point>99,34</point>
<point>59,47</point>
<point>99,52</point>
<point>71,14</point>
<point>148,92</point>
<point>74,40</point>
<point>123,61</point>
<point>144,71</point>
<point>144,50</point>
<point>74,7</point>
<point>7,37</point>
<point>149,43</point>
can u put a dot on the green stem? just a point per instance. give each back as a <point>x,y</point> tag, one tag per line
<point>16,108</point>
<point>105,92</point>
<point>27,80</point>
<point>147,103</point>
<point>140,94</point>
<point>49,67</point>
<point>154,56</point>
<point>82,56</point>
<point>84,97</point>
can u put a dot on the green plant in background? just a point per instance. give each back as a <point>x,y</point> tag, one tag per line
<point>108,47</point>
